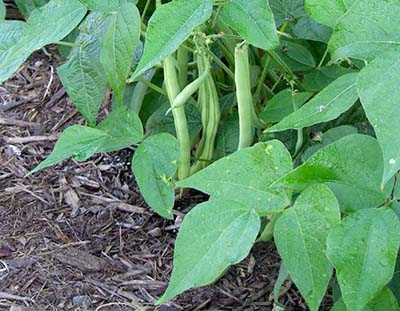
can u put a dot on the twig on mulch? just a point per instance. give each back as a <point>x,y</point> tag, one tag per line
<point>4,295</point>
<point>20,123</point>
<point>9,106</point>
<point>29,139</point>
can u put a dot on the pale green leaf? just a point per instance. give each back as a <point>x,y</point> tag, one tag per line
<point>106,6</point>
<point>253,20</point>
<point>170,25</point>
<point>213,236</point>
<point>27,6</point>
<point>368,28</point>
<point>335,99</point>
<point>351,167</point>
<point>119,43</point>
<point>2,10</point>
<point>283,104</point>
<point>384,301</point>
<point>300,236</point>
<point>154,164</point>
<point>47,24</point>
<point>379,92</point>
<point>82,75</point>
<point>327,12</point>
<point>363,249</point>
<point>121,129</point>
<point>10,33</point>
<point>246,177</point>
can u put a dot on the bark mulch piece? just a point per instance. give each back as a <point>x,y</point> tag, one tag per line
<point>78,236</point>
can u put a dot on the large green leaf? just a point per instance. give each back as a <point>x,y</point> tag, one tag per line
<point>246,177</point>
<point>27,6</point>
<point>286,10</point>
<point>253,20</point>
<point>384,301</point>
<point>320,78</point>
<point>327,12</point>
<point>335,99</point>
<point>227,138</point>
<point>296,56</point>
<point>154,164</point>
<point>368,28</point>
<point>300,236</point>
<point>308,29</point>
<point>10,33</point>
<point>170,25</point>
<point>379,91</point>
<point>119,43</point>
<point>351,167</point>
<point>106,6</point>
<point>83,75</point>
<point>45,25</point>
<point>363,249</point>
<point>283,104</point>
<point>121,129</point>
<point>2,10</point>
<point>213,236</point>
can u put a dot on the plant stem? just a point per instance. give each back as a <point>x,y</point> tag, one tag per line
<point>71,44</point>
<point>268,231</point>
<point>182,131</point>
<point>140,91</point>
<point>244,98</point>
<point>152,86</point>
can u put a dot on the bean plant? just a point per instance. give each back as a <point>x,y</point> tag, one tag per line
<point>286,113</point>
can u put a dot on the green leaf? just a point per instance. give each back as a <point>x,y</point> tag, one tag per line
<point>300,235</point>
<point>320,78</point>
<point>283,104</point>
<point>335,99</point>
<point>213,236</point>
<point>286,10</point>
<point>170,25</point>
<point>82,75</point>
<point>384,301</point>
<point>308,29</point>
<point>296,56</point>
<point>328,12</point>
<point>154,164</point>
<point>227,138</point>
<point>368,28</point>
<point>354,179</point>
<point>377,83</point>
<point>10,33</point>
<point>2,10</point>
<point>253,20</point>
<point>106,6</point>
<point>363,249</point>
<point>45,25</point>
<point>121,129</point>
<point>246,177</point>
<point>27,6</point>
<point>119,43</point>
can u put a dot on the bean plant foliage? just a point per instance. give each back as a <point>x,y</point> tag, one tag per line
<point>286,113</point>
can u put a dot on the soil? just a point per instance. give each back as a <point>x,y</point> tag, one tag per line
<point>78,236</point>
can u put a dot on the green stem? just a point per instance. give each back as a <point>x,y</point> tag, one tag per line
<point>71,44</point>
<point>244,98</point>
<point>182,131</point>
<point>183,61</point>
<point>140,92</point>
<point>268,231</point>
<point>222,65</point>
<point>152,86</point>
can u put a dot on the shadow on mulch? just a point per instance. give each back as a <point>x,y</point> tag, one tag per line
<point>78,236</point>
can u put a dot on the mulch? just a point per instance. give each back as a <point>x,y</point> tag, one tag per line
<point>78,236</point>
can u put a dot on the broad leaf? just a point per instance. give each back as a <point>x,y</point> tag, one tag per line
<point>253,20</point>
<point>82,75</point>
<point>2,10</point>
<point>354,179</point>
<point>170,25</point>
<point>384,301</point>
<point>121,129</point>
<point>327,12</point>
<point>335,99</point>
<point>378,88</point>
<point>106,6</point>
<point>119,43</point>
<point>213,236</point>
<point>27,6</point>
<point>154,164</point>
<point>320,78</point>
<point>367,29</point>
<point>283,104</point>
<point>227,138</point>
<point>246,177</point>
<point>296,56</point>
<point>300,236</point>
<point>286,10</point>
<point>10,33</point>
<point>363,249</point>
<point>45,25</point>
<point>308,29</point>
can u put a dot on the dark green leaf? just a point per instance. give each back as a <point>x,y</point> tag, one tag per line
<point>363,249</point>
<point>246,176</point>
<point>154,164</point>
<point>296,56</point>
<point>170,25</point>
<point>253,20</point>
<point>300,235</point>
<point>287,10</point>
<point>213,236</point>
<point>308,29</point>
<point>355,179</point>
<point>227,138</point>
<point>320,78</point>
